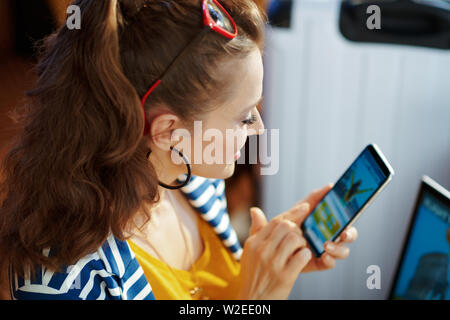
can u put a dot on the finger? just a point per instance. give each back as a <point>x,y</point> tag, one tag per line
<point>283,228</point>
<point>298,262</point>
<point>337,251</point>
<point>349,235</point>
<point>258,220</point>
<point>290,244</point>
<point>317,194</point>
<point>296,214</point>
<point>314,197</point>
<point>327,261</point>
<point>265,231</point>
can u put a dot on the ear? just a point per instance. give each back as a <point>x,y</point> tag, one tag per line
<point>162,126</point>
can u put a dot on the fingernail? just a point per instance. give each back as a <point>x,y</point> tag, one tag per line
<point>307,254</point>
<point>304,206</point>
<point>330,246</point>
<point>328,258</point>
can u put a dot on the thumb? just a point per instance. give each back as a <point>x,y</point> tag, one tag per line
<point>258,220</point>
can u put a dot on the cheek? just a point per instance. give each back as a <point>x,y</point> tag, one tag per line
<point>235,140</point>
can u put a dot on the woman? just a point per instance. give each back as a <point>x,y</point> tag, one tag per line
<point>92,208</point>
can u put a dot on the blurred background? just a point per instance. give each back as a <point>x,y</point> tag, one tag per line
<point>331,87</point>
<point>331,96</point>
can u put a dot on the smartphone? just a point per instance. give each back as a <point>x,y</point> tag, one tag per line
<point>348,198</point>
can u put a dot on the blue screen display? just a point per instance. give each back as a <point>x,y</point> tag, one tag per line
<point>344,201</point>
<point>424,271</point>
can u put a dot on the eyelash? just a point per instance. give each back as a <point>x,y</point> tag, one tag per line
<point>250,121</point>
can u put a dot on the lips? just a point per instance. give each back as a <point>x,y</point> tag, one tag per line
<point>237,155</point>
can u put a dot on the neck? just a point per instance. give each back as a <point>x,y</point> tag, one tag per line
<point>167,172</point>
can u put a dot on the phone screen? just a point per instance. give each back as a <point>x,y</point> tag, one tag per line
<point>342,203</point>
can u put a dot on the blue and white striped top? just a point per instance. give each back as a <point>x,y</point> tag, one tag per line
<point>113,272</point>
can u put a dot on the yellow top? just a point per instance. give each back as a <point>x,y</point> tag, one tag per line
<point>217,271</point>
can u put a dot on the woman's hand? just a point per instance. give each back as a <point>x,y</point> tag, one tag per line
<point>333,250</point>
<point>273,256</point>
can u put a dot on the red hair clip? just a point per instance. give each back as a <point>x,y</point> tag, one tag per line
<point>216,18</point>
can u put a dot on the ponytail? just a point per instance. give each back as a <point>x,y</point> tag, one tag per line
<point>77,171</point>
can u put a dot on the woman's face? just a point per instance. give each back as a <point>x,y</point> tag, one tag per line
<point>212,141</point>
<point>225,129</point>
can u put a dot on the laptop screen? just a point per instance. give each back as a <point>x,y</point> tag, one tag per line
<point>423,271</point>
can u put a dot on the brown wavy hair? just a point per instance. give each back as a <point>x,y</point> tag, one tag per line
<point>77,170</point>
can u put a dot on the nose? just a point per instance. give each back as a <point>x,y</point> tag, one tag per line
<point>258,127</point>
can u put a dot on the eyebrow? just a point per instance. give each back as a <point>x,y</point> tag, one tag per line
<point>252,105</point>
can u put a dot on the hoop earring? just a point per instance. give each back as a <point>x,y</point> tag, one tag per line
<point>188,169</point>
